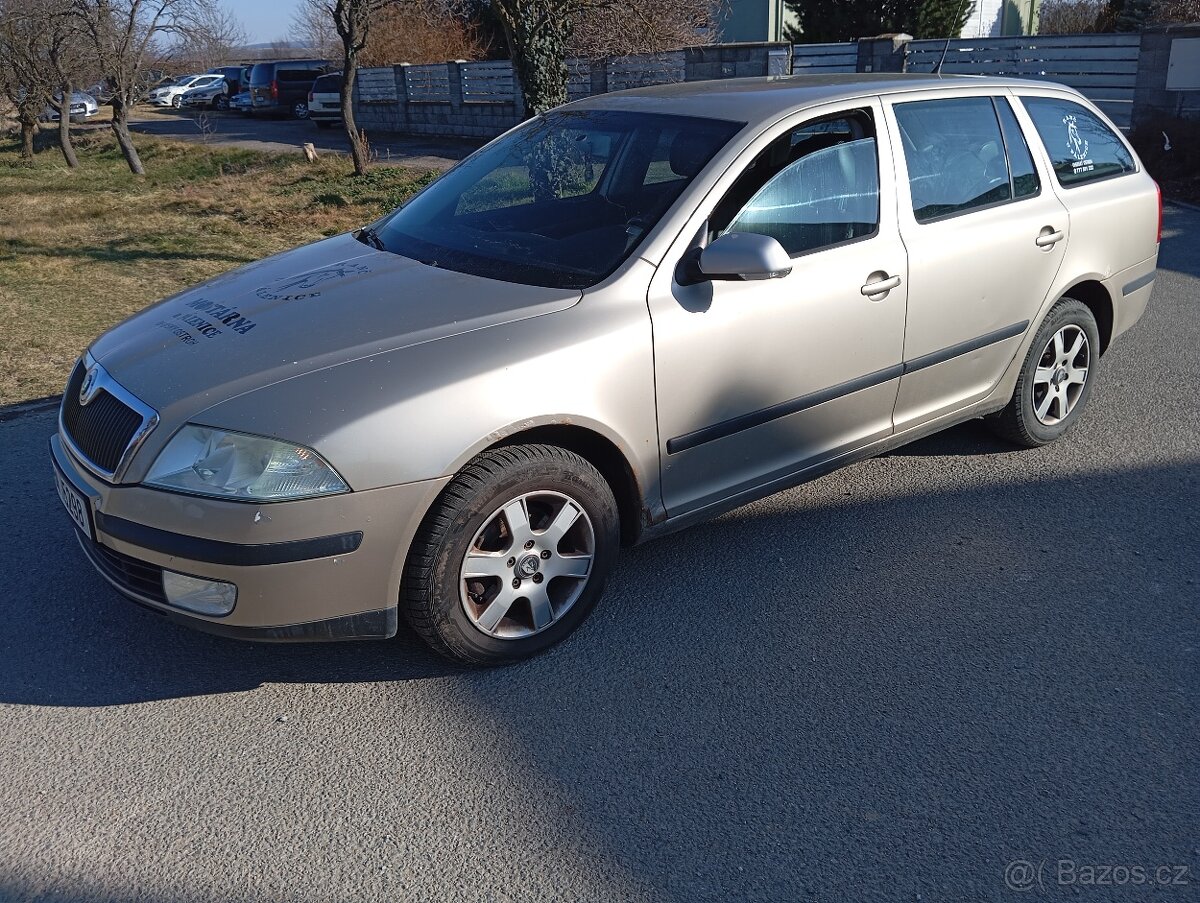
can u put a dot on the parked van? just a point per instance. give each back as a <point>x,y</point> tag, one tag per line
<point>281,87</point>
<point>325,100</point>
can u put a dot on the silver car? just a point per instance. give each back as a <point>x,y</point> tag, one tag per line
<point>618,319</point>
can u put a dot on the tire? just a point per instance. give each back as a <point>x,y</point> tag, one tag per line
<point>221,102</point>
<point>480,618</point>
<point>177,101</point>
<point>299,110</point>
<point>1056,378</point>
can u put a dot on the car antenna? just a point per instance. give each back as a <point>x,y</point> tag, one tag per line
<point>937,70</point>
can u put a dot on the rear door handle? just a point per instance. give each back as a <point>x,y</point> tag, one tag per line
<point>880,287</point>
<point>1049,238</point>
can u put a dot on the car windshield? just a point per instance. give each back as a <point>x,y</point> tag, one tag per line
<point>559,202</point>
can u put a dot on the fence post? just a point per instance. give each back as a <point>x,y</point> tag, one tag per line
<point>885,53</point>
<point>400,74</point>
<point>599,72</point>
<point>454,68</point>
<point>1152,97</point>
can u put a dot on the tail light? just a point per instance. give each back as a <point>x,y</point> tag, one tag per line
<point>1158,189</point>
<point>274,90</point>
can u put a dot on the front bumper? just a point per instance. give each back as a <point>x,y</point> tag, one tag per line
<point>317,569</point>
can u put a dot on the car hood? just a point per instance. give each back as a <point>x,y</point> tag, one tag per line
<point>307,309</point>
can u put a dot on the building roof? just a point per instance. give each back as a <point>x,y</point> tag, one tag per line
<point>744,99</point>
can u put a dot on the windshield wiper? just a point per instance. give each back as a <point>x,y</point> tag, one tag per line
<point>369,236</point>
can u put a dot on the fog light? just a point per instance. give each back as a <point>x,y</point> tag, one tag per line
<point>206,597</point>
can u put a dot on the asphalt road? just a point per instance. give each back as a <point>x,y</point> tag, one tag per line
<point>883,686</point>
<point>283,135</point>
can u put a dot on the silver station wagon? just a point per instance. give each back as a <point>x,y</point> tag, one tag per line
<point>620,318</point>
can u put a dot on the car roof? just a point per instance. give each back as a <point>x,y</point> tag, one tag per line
<point>749,99</point>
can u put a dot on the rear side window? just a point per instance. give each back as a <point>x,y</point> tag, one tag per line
<point>296,75</point>
<point>1081,147</point>
<point>955,155</point>
<point>1020,163</point>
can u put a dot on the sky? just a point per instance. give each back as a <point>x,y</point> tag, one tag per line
<point>264,20</point>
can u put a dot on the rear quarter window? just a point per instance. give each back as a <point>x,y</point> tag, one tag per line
<point>1081,147</point>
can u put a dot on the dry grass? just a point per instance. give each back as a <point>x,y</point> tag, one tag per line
<point>80,251</point>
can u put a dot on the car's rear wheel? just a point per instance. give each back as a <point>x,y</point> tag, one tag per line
<point>300,110</point>
<point>513,556</point>
<point>1056,378</point>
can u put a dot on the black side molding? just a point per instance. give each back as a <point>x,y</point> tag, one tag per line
<point>783,409</point>
<point>214,551</point>
<point>1140,282</point>
<point>795,405</point>
<point>942,355</point>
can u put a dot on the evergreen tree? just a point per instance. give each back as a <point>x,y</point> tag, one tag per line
<point>942,18</point>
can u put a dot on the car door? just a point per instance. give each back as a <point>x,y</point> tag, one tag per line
<point>756,381</point>
<point>985,237</point>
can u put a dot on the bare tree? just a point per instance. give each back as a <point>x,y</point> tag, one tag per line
<point>127,36</point>
<point>24,75</point>
<point>208,34</point>
<point>1069,16</point>
<point>422,31</point>
<point>540,34</point>
<point>313,28</point>
<point>352,18</point>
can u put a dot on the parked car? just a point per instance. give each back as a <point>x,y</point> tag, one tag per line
<point>281,88</point>
<point>325,100</point>
<point>207,91</point>
<point>621,318</point>
<point>237,77</point>
<point>240,103</point>
<point>83,106</point>
<point>171,94</point>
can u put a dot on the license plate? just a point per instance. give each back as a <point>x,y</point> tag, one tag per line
<point>75,502</point>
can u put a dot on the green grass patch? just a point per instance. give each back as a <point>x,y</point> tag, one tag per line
<point>81,250</point>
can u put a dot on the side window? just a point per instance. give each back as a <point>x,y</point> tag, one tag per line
<point>1020,162</point>
<point>1081,147</point>
<point>815,187</point>
<point>955,155</point>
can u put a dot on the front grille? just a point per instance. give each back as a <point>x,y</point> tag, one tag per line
<point>103,428</point>
<point>137,577</point>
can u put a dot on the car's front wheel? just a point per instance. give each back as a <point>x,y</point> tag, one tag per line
<point>1056,378</point>
<point>513,556</point>
<point>177,101</point>
<point>221,102</point>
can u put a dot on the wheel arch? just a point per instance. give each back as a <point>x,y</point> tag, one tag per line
<point>603,454</point>
<point>1091,293</point>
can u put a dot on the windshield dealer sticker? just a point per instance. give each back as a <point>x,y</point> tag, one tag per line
<point>297,288</point>
<point>1077,146</point>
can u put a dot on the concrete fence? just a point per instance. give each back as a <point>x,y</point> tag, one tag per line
<point>1131,77</point>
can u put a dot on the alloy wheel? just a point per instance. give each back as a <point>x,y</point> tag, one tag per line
<point>1061,374</point>
<point>527,565</point>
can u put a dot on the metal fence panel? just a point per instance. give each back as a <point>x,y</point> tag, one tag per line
<point>646,69</point>
<point>427,84</point>
<point>1101,67</point>
<point>822,59</point>
<point>488,82</point>
<point>377,85</point>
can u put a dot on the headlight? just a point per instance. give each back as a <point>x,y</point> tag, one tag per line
<point>228,465</point>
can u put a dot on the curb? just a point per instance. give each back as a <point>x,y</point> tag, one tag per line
<point>21,409</point>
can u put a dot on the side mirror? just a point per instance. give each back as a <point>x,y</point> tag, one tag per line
<point>744,256</point>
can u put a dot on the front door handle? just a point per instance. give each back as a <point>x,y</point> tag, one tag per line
<point>1049,237</point>
<point>883,286</point>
